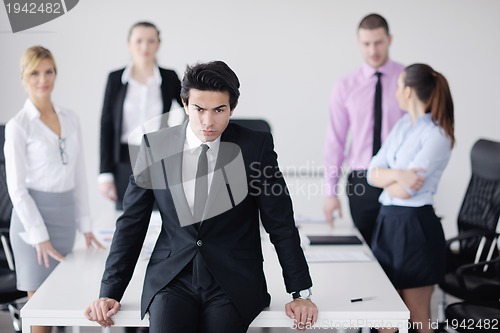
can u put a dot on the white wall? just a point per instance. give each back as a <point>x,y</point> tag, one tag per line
<point>287,54</point>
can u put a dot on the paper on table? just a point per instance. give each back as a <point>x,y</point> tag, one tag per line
<point>336,256</point>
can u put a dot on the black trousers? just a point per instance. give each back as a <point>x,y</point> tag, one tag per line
<point>183,306</point>
<point>363,203</point>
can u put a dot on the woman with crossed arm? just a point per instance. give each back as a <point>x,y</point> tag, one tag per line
<point>408,240</point>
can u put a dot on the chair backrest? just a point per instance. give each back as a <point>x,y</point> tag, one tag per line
<point>253,124</point>
<point>480,208</point>
<point>5,203</point>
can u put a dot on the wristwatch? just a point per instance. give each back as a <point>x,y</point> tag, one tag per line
<point>304,294</point>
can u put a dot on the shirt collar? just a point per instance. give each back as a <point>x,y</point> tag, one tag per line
<point>194,142</point>
<point>369,71</point>
<point>33,112</point>
<point>127,72</point>
<point>424,118</point>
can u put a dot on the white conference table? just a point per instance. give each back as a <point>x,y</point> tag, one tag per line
<point>62,298</point>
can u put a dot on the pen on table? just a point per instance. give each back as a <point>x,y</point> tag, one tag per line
<point>361,299</point>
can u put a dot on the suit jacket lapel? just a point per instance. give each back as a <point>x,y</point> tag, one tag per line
<point>173,170</point>
<point>120,98</point>
<point>218,188</point>
<point>121,92</point>
<point>164,91</point>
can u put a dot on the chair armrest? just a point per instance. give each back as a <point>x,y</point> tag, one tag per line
<point>469,234</point>
<point>462,270</point>
<point>6,248</point>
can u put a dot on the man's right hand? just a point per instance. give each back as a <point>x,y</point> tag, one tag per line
<point>108,190</point>
<point>101,311</point>
<point>330,206</point>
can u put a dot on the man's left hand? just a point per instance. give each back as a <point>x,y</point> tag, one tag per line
<point>303,311</point>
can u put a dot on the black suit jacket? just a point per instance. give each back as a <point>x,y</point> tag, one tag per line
<point>231,243</point>
<point>112,113</point>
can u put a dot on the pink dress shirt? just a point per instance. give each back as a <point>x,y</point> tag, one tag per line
<point>352,110</point>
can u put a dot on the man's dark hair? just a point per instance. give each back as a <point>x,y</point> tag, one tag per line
<point>212,76</point>
<point>374,21</point>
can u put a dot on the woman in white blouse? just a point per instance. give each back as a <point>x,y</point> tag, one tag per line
<point>408,239</point>
<point>46,177</point>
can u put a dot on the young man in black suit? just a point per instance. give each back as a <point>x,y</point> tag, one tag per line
<point>205,273</point>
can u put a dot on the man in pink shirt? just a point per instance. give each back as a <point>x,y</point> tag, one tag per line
<point>363,104</point>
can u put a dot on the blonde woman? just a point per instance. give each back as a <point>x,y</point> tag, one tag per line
<point>45,177</point>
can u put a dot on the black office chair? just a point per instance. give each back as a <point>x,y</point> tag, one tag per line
<point>478,217</point>
<point>254,124</point>
<point>482,314</point>
<point>11,299</point>
<point>477,222</point>
<point>470,317</point>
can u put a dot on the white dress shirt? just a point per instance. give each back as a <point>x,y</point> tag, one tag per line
<point>143,102</point>
<point>191,153</point>
<point>33,160</point>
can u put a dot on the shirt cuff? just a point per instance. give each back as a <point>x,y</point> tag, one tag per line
<point>85,224</point>
<point>105,178</point>
<point>35,235</point>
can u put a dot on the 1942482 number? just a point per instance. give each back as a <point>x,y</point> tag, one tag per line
<point>34,8</point>
<point>471,324</point>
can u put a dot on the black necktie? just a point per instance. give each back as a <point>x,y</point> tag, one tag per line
<point>377,126</point>
<point>201,275</point>
<point>201,184</point>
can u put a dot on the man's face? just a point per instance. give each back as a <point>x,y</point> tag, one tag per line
<point>374,45</point>
<point>208,113</point>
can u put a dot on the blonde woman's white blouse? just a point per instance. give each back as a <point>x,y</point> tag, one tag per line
<point>36,158</point>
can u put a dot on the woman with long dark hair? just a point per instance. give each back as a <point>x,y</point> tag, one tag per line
<point>408,240</point>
